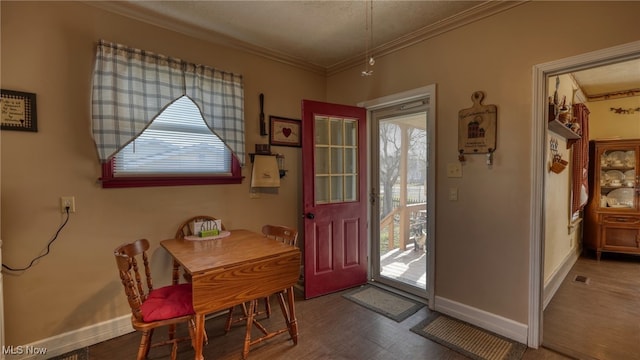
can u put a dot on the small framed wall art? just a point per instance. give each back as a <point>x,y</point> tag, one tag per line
<point>284,132</point>
<point>18,111</point>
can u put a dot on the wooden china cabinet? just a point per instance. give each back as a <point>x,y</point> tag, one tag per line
<point>612,215</point>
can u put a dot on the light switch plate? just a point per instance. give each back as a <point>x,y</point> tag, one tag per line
<point>454,170</point>
<point>453,194</point>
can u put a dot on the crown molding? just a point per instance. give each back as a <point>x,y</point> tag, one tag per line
<point>476,13</point>
<point>481,11</point>
<point>614,95</point>
<point>131,11</point>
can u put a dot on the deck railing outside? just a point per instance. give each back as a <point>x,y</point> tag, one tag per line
<point>392,236</point>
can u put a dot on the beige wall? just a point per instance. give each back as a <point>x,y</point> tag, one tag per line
<point>603,123</point>
<point>482,240</point>
<point>48,49</point>
<point>559,242</point>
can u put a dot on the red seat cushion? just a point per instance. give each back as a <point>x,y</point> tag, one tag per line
<point>168,302</point>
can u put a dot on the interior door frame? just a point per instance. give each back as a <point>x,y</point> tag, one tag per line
<point>428,91</point>
<point>539,135</point>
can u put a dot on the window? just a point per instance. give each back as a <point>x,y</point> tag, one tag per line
<point>176,149</point>
<point>159,120</point>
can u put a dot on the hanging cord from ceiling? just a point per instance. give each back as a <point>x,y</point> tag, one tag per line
<point>368,40</point>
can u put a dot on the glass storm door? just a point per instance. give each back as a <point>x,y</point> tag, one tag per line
<point>400,183</point>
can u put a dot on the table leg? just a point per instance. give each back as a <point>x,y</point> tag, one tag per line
<point>199,340</point>
<point>247,337</point>
<point>293,322</point>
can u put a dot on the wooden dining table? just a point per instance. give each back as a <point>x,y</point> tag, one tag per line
<point>235,269</point>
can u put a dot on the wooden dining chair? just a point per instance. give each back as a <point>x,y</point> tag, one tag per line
<point>185,230</point>
<point>283,234</point>
<point>152,308</point>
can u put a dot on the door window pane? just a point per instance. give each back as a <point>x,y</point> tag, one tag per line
<point>350,186</point>
<point>336,161</point>
<point>336,189</point>
<point>322,160</point>
<point>350,133</point>
<point>336,164</point>
<point>350,160</point>
<point>322,189</point>
<point>322,130</point>
<point>336,131</point>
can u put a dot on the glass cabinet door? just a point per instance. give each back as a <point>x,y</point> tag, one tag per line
<point>618,179</point>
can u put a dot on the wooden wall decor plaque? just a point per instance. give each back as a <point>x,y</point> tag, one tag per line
<point>477,127</point>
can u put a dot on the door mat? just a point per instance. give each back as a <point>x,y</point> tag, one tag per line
<point>79,354</point>
<point>391,305</point>
<point>469,340</point>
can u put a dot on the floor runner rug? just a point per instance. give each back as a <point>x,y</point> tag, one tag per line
<point>389,304</point>
<point>468,340</point>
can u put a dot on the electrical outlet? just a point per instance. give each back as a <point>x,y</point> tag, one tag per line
<point>454,170</point>
<point>253,194</point>
<point>68,201</point>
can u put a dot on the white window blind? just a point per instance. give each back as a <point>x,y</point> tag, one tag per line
<point>178,142</point>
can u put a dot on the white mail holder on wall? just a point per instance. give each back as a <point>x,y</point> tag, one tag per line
<point>477,128</point>
<point>266,172</point>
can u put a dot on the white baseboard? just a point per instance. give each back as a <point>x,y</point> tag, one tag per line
<point>76,339</point>
<point>72,340</point>
<point>500,325</point>
<point>554,282</point>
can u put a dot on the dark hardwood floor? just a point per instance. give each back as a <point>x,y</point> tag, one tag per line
<point>599,319</point>
<point>330,327</point>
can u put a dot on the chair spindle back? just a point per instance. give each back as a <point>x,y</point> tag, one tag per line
<point>283,234</point>
<point>127,258</point>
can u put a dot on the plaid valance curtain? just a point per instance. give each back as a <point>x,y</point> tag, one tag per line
<point>131,87</point>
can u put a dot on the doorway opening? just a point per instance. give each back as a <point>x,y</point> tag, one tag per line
<point>540,141</point>
<point>402,187</point>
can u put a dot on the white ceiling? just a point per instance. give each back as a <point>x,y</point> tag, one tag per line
<point>323,33</point>
<point>615,80</point>
<point>328,36</point>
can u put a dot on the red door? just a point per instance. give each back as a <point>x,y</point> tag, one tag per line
<point>334,197</point>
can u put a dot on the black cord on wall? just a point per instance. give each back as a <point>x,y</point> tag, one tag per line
<point>55,236</point>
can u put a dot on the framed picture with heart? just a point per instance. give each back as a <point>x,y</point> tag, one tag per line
<point>284,132</point>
